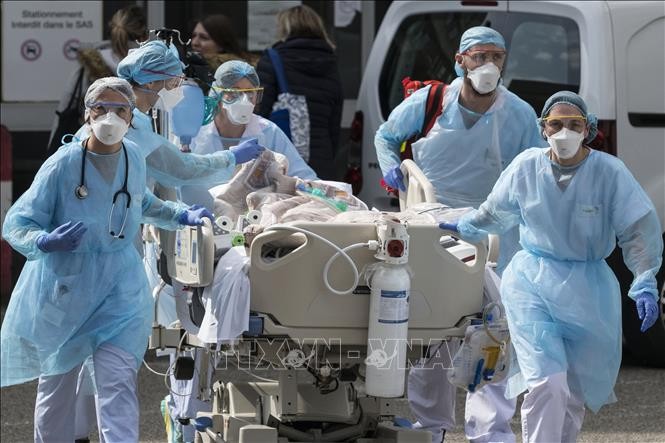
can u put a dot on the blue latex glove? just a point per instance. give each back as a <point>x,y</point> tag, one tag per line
<point>66,237</point>
<point>647,310</point>
<point>395,179</point>
<point>194,216</point>
<point>247,150</point>
<point>449,226</point>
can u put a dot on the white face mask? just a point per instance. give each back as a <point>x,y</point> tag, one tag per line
<point>109,128</point>
<point>484,78</point>
<point>170,98</point>
<point>239,112</point>
<point>566,143</point>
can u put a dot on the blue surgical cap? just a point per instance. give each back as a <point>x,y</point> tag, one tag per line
<point>231,72</point>
<point>572,99</point>
<point>150,62</point>
<point>478,35</point>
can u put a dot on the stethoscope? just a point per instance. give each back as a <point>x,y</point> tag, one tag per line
<point>81,192</point>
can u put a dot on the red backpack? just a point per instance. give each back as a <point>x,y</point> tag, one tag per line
<point>433,110</point>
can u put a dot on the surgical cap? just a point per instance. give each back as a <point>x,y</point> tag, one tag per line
<point>572,99</point>
<point>150,62</point>
<point>116,84</point>
<point>478,35</point>
<point>231,72</point>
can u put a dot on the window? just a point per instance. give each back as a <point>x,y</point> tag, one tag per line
<point>543,57</point>
<point>645,85</point>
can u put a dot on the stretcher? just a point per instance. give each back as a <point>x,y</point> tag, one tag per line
<point>315,342</point>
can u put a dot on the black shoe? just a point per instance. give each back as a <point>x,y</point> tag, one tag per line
<point>82,440</point>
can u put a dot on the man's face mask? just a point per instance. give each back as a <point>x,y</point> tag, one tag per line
<point>109,128</point>
<point>566,143</point>
<point>240,111</point>
<point>484,78</point>
<point>170,98</point>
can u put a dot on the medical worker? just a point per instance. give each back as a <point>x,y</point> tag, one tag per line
<point>83,291</point>
<point>562,300</point>
<point>155,73</point>
<point>482,127</point>
<point>232,98</point>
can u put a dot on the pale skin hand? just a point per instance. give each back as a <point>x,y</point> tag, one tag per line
<point>563,109</point>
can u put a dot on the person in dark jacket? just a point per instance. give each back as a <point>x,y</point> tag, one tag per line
<point>310,67</point>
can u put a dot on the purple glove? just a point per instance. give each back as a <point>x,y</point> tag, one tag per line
<point>66,237</point>
<point>647,310</point>
<point>395,179</point>
<point>194,216</point>
<point>449,226</point>
<point>247,150</point>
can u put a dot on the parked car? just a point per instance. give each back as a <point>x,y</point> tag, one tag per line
<point>610,52</point>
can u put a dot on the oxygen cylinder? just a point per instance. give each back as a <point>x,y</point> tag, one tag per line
<point>187,115</point>
<point>387,333</point>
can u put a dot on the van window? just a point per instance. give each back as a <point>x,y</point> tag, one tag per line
<point>543,57</point>
<point>543,53</point>
<point>646,88</point>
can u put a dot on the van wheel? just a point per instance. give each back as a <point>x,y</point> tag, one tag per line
<point>648,348</point>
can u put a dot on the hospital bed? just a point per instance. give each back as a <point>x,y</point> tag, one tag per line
<point>316,341</point>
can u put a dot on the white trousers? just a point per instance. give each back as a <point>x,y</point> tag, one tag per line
<point>487,414</point>
<point>85,414</point>
<point>117,400</point>
<point>432,399</point>
<point>551,412</point>
<point>184,401</point>
<point>431,395</point>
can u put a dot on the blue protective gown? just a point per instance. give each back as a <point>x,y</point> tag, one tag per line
<point>461,162</point>
<point>562,300</point>
<point>66,304</point>
<point>268,134</point>
<point>167,164</point>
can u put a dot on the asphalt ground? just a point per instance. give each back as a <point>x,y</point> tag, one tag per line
<point>638,416</point>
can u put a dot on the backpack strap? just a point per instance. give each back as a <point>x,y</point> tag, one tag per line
<point>434,106</point>
<point>279,70</point>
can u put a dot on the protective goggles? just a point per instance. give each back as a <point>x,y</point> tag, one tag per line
<point>575,123</point>
<point>172,82</point>
<point>232,95</point>
<point>97,109</point>
<point>483,57</point>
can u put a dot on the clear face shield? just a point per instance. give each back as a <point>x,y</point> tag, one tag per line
<point>232,95</point>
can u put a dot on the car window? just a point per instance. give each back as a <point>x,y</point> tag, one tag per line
<point>646,89</point>
<point>543,53</point>
<point>543,56</point>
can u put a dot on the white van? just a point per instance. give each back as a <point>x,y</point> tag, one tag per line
<point>611,53</point>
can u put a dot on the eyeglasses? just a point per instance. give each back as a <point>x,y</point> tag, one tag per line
<point>483,57</point>
<point>232,95</point>
<point>172,82</point>
<point>575,123</point>
<point>97,109</point>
